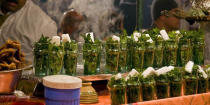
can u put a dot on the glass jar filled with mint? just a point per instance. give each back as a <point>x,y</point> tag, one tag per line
<point>158,54</point>
<point>112,48</point>
<point>187,39</point>
<point>162,82</point>
<point>155,38</point>
<point>130,48</point>
<point>123,57</point>
<point>170,52</point>
<point>198,50</point>
<point>91,54</point>
<point>175,82</point>
<point>56,55</point>
<point>56,62</point>
<point>148,84</point>
<point>138,56</point>
<point>70,57</point>
<point>117,89</point>
<point>133,85</point>
<point>41,56</point>
<point>202,80</point>
<point>91,57</point>
<point>149,54</point>
<point>148,89</point>
<point>190,78</point>
<point>41,63</point>
<point>184,52</point>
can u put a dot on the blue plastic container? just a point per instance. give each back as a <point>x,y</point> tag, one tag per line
<point>57,93</point>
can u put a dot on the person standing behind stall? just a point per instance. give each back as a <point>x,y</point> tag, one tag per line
<point>167,22</point>
<point>71,24</point>
<point>24,21</point>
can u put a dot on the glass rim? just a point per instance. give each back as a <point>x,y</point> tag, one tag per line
<point>133,84</point>
<point>176,81</point>
<point>162,82</point>
<point>189,79</point>
<point>117,86</point>
<point>159,40</point>
<point>56,52</point>
<point>203,78</point>
<point>74,44</point>
<point>40,43</point>
<point>91,43</point>
<point>75,51</point>
<point>113,50</point>
<point>112,43</point>
<point>93,51</point>
<point>138,42</point>
<point>148,83</point>
<point>44,50</point>
<point>184,39</point>
<point>139,47</point>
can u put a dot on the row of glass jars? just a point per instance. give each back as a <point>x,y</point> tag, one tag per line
<point>165,53</point>
<point>145,91</point>
<point>55,62</point>
<point>118,57</point>
<point>66,62</point>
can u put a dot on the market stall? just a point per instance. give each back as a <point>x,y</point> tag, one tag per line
<point>139,68</point>
<point>148,67</point>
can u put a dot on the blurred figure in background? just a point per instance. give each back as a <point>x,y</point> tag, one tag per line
<point>167,22</point>
<point>171,22</point>
<point>128,9</point>
<point>100,17</point>
<point>54,8</point>
<point>25,22</point>
<point>71,24</point>
<point>186,5</point>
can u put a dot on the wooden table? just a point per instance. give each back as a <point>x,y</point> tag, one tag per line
<point>103,100</point>
<point>198,99</point>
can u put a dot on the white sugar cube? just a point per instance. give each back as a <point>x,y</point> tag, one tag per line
<point>118,76</point>
<point>133,72</point>
<point>189,66</point>
<point>164,34</point>
<point>177,32</point>
<point>136,36</point>
<point>149,71</point>
<point>115,38</point>
<point>202,72</point>
<point>66,38</point>
<point>56,40</point>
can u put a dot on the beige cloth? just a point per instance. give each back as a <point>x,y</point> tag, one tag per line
<point>27,25</point>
